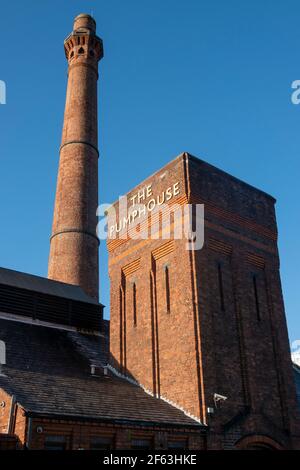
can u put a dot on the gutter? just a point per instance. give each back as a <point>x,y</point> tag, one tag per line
<point>128,422</point>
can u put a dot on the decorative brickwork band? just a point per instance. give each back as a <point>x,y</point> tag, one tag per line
<point>75,230</point>
<point>79,142</point>
<point>148,222</point>
<point>255,260</point>
<point>163,250</point>
<point>219,246</point>
<point>234,218</point>
<point>131,267</point>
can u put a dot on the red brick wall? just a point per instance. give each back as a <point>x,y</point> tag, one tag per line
<point>5,401</point>
<point>223,334</point>
<point>245,346</point>
<point>79,435</point>
<point>148,351</point>
<point>18,426</point>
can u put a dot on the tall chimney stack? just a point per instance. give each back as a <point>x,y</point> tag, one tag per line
<point>74,249</point>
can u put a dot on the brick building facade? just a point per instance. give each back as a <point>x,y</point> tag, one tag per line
<point>55,389</point>
<point>196,352</point>
<point>194,325</point>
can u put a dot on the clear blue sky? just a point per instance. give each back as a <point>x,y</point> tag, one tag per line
<point>209,77</point>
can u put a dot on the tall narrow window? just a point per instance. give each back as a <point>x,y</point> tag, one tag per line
<point>134,304</point>
<point>167,281</point>
<point>121,293</point>
<point>256,298</point>
<point>221,290</point>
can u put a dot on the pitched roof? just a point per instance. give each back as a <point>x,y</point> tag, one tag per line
<point>21,280</point>
<point>48,371</point>
<point>48,301</point>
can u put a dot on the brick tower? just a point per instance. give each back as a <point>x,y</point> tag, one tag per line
<point>206,328</point>
<point>74,243</point>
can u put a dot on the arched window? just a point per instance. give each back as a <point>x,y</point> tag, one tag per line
<point>258,442</point>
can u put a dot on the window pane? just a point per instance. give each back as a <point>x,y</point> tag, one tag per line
<point>101,443</point>
<point>177,445</point>
<point>55,443</point>
<point>141,444</point>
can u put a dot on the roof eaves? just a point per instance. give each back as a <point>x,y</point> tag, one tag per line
<point>120,421</point>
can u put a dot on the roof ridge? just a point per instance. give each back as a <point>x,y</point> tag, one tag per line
<point>83,347</point>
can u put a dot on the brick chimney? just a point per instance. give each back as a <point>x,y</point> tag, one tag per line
<point>74,256</point>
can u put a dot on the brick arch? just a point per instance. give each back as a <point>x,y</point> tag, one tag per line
<point>258,442</point>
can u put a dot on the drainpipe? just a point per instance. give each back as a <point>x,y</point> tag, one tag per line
<point>28,437</point>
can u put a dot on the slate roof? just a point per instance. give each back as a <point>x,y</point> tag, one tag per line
<point>30,282</point>
<point>48,371</point>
